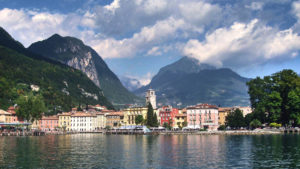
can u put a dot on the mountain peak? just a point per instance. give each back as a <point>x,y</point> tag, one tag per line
<point>8,41</point>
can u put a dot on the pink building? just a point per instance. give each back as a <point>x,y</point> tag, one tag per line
<point>202,116</point>
<point>48,123</point>
<point>167,115</point>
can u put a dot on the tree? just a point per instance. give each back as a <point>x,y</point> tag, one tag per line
<point>155,121</point>
<point>150,121</point>
<point>184,124</point>
<point>255,123</point>
<point>139,119</point>
<point>274,98</point>
<point>79,108</point>
<point>30,107</point>
<point>235,119</point>
<point>248,118</point>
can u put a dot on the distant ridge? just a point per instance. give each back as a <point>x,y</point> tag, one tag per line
<point>186,82</point>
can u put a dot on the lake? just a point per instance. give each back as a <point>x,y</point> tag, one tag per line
<point>143,151</point>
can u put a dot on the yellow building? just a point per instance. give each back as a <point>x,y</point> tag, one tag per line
<point>179,120</point>
<point>5,117</point>
<point>64,121</point>
<point>131,113</point>
<point>223,112</point>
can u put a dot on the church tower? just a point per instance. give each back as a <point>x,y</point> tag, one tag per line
<point>151,98</point>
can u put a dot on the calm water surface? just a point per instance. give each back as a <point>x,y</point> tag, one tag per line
<point>129,151</point>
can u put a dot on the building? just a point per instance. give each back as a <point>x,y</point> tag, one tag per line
<point>245,110</point>
<point>64,121</point>
<point>48,123</point>
<point>14,117</point>
<point>131,113</point>
<point>180,120</point>
<point>223,113</point>
<point>202,116</point>
<point>100,120</point>
<point>114,119</point>
<point>151,98</point>
<point>81,121</point>
<point>167,115</point>
<point>5,117</point>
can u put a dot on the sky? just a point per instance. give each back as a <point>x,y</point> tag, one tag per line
<point>138,37</point>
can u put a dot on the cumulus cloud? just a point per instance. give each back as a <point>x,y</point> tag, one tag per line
<point>143,40</point>
<point>244,45</point>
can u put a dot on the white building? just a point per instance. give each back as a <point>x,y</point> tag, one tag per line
<point>151,98</point>
<point>81,121</point>
<point>100,120</point>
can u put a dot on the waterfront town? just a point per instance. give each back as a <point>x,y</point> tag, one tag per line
<point>96,117</point>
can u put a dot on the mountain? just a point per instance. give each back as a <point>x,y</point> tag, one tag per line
<point>73,52</point>
<point>61,86</point>
<point>186,82</point>
<point>131,84</point>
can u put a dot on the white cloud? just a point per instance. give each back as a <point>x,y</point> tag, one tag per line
<point>155,51</point>
<point>141,41</point>
<point>244,45</point>
<point>255,6</point>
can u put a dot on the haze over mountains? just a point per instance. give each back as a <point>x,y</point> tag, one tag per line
<point>61,86</point>
<point>186,82</point>
<point>73,52</point>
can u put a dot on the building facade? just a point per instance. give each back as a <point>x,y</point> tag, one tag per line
<point>223,113</point>
<point>64,121</point>
<point>167,115</point>
<point>48,123</point>
<point>114,119</point>
<point>81,121</point>
<point>202,116</point>
<point>5,117</point>
<point>180,121</point>
<point>100,120</point>
<point>131,113</point>
<point>151,98</point>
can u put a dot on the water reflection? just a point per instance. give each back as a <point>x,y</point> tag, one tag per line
<point>130,151</point>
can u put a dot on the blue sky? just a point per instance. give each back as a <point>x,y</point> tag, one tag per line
<point>138,37</point>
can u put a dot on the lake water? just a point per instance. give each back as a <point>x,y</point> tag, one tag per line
<point>130,151</point>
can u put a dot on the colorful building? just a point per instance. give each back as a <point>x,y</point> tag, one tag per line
<point>167,115</point>
<point>131,113</point>
<point>48,123</point>
<point>81,121</point>
<point>64,121</point>
<point>5,117</point>
<point>180,120</point>
<point>202,116</point>
<point>14,117</point>
<point>223,113</point>
<point>114,119</point>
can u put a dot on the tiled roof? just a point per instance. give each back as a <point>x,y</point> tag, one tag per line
<point>50,117</point>
<point>180,115</point>
<point>82,114</point>
<point>115,114</point>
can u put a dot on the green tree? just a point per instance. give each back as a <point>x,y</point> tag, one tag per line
<point>155,121</point>
<point>248,118</point>
<point>235,119</point>
<point>184,124</point>
<point>255,123</point>
<point>30,107</point>
<point>150,121</point>
<point>274,98</point>
<point>139,119</point>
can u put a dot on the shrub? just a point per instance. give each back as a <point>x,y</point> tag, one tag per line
<point>275,124</point>
<point>222,127</point>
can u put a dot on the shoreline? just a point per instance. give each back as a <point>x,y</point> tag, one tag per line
<point>228,132</point>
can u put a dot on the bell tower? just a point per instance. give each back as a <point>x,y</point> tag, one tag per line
<point>151,98</point>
